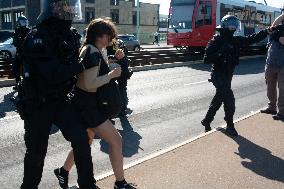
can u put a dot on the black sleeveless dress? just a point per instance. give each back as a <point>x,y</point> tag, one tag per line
<point>86,102</point>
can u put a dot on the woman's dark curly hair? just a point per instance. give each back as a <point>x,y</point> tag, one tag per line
<point>98,28</point>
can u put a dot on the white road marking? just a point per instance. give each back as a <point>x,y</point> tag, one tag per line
<point>189,84</point>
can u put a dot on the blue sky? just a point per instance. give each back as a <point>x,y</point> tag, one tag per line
<point>165,4</point>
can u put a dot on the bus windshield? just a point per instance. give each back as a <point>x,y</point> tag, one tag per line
<point>181,14</point>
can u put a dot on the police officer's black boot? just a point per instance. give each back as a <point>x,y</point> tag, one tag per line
<point>206,124</point>
<point>230,130</point>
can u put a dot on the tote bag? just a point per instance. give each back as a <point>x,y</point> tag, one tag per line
<point>108,98</point>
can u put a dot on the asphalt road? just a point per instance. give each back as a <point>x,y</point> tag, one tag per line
<point>167,104</point>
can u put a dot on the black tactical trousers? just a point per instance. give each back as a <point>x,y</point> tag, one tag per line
<point>122,85</point>
<point>16,68</point>
<point>224,94</point>
<point>38,123</point>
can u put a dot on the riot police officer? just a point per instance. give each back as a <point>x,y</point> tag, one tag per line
<point>19,36</point>
<point>125,74</point>
<point>223,52</point>
<point>50,63</point>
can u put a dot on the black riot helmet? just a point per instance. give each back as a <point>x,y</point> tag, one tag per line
<point>22,21</point>
<point>68,10</point>
<point>230,22</point>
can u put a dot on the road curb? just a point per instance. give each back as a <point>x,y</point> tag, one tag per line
<point>11,82</point>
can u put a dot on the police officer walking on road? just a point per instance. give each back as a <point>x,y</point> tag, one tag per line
<point>125,74</point>
<point>223,52</point>
<point>51,53</point>
<point>19,36</point>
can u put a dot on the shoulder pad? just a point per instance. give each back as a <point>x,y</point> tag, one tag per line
<point>74,30</point>
<point>216,37</point>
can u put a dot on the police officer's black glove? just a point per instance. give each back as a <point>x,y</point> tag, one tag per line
<point>90,59</point>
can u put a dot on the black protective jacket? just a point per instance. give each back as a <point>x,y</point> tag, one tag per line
<point>124,62</point>
<point>223,51</point>
<point>19,37</point>
<point>51,56</point>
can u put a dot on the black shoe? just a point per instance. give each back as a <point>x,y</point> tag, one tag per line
<point>122,113</point>
<point>206,125</point>
<point>112,121</point>
<point>124,185</point>
<point>62,178</point>
<point>268,111</point>
<point>93,187</point>
<point>96,187</point>
<point>128,111</point>
<point>231,131</point>
<point>278,117</point>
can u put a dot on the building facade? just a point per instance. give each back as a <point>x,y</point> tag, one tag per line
<point>10,10</point>
<point>122,12</point>
<point>163,23</point>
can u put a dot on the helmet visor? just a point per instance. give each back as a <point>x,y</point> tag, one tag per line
<point>232,24</point>
<point>23,23</point>
<point>67,10</point>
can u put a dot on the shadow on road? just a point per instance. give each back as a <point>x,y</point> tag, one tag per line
<point>130,139</point>
<point>259,159</point>
<point>7,104</point>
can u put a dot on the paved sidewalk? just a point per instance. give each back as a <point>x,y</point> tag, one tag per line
<point>252,160</point>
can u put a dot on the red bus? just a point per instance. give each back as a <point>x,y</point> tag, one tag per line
<point>192,23</point>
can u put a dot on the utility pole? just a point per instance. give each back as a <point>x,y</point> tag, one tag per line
<point>32,10</point>
<point>265,2</point>
<point>138,21</point>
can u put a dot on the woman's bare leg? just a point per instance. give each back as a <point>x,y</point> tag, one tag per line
<point>108,133</point>
<point>69,162</point>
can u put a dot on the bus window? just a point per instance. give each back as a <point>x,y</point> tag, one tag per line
<point>249,27</point>
<point>181,14</point>
<point>276,14</point>
<point>204,14</point>
<point>182,2</point>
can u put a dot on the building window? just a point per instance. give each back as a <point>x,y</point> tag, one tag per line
<point>204,14</point>
<point>114,14</point>
<point>90,1</point>
<point>18,14</point>
<point>134,18</point>
<point>89,15</point>
<point>7,17</point>
<point>114,2</point>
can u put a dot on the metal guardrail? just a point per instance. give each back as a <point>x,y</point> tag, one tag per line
<point>6,68</point>
<point>137,59</point>
<point>159,57</point>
